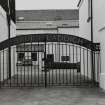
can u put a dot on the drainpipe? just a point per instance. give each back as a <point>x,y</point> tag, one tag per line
<point>9,36</point>
<point>92,40</point>
<point>92,20</point>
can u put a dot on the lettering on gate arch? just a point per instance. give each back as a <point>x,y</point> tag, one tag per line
<point>60,38</point>
<point>49,38</point>
<point>66,39</point>
<point>52,38</point>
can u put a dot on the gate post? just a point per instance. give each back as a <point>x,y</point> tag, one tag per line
<point>9,48</point>
<point>45,69</point>
<point>93,66</point>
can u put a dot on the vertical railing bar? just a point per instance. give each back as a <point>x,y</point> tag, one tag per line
<point>27,71</point>
<point>100,61</point>
<point>80,65</point>
<point>55,60</point>
<point>45,69</point>
<point>24,62</point>
<point>87,65</point>
<point>70,61</point>
<point>10,68</point>
<point>7,68</point>
<point>97,64</point>
<point>92,65</point>
<point>17,67</point>
<point>38,65</point>
<point>6,79</point>
<point>35,71</point>
<point>3,67</point>
<point>66,68</point>
<point>84,64</point>
<point>0,71</point>
<point>63,69</point>
<point>13,66</point>
<point>59,61</point>
<point>73,69</point>
<point>77,61</point>
<point>48,53</point>
<point>41,68</point>
<point>94,69</point>
<point>32,63</point>
<point>15,63</point>
<point>98,68</point>
<point>21,75</point>
<point>51,62</point>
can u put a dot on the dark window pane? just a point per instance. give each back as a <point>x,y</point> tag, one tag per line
<point>65,58</point>
<point>34,56</point>
<point>21,56</point>
<point>50,57</point>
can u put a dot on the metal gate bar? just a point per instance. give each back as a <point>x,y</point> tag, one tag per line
<point>49,60</point>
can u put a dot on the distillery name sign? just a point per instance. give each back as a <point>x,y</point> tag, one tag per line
<point>63,38</point>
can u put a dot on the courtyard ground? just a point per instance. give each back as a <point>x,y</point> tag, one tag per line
<point>52,96</point>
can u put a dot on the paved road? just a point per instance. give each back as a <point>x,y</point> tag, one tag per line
<point>52,96</point>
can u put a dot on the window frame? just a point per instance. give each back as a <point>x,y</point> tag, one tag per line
<point>35,57</point>
<point>21,56</point>
<point>65,58</point>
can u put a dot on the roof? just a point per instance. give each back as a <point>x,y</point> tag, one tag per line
<point>47,15</point>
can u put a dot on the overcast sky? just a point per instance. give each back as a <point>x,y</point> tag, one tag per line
<point>46,4</point>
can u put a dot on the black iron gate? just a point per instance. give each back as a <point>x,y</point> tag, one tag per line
<point>49,60</point>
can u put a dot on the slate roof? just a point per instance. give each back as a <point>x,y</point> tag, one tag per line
<point>48,15</point>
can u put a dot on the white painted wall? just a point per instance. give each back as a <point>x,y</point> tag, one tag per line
<point>85,32</point>
<point>34,27</point>
<point>13,29</point>
<point>3,25</point>
<point>22,32</point>
<point>4,36</point>
<point>99,29</point>
<point>99,34</point>
<point>71,31</point>
<point>45,24</point>
<point>84,29</point>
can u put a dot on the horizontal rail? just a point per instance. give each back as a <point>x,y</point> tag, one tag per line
<point>50,38</point>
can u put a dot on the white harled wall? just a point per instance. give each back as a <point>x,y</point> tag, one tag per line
<point>84,29</point>
<point>98,30</point>
<point>99,34</point>
<point>70,31</point>
<point>4,36</point>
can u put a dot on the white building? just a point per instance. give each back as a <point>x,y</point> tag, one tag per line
<point>4,32</point>
<point>4,22</point>
<point>47,21</point>
<point>98,27</point>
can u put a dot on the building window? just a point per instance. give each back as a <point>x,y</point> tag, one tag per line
<point>89,11</point>
<point>65,58</point>
<point>34,56</point>
<point>21,56</point>
<point>50,57</point>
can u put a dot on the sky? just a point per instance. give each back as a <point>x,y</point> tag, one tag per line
<point>45,4</point>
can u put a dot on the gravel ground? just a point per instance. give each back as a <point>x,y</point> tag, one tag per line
<point>52,96</point>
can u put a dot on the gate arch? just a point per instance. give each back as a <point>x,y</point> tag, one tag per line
<point>49,60</point>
